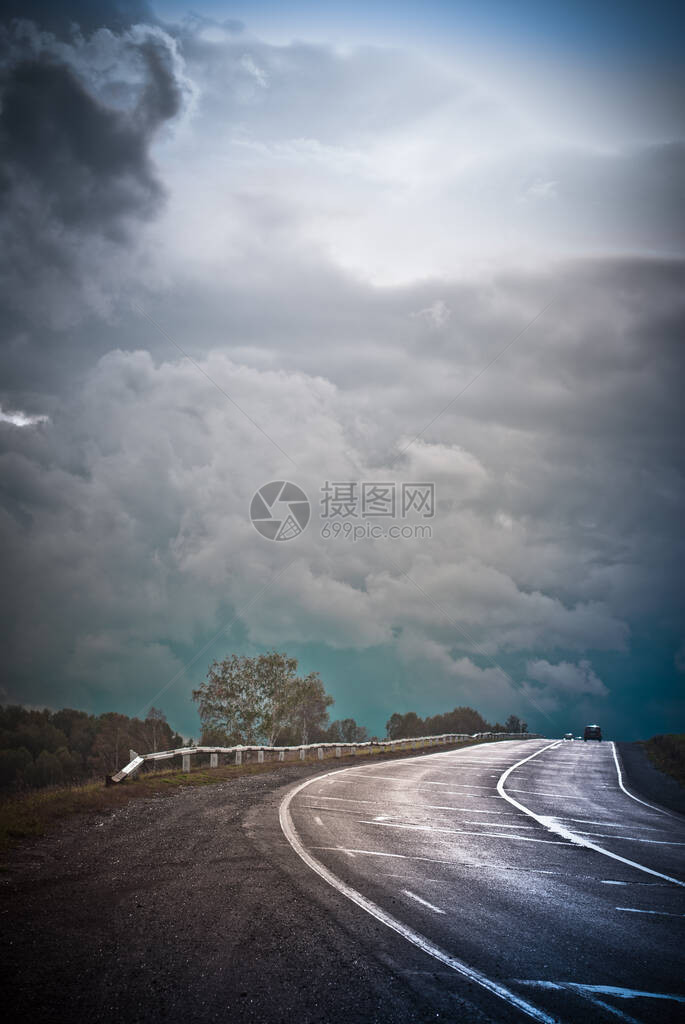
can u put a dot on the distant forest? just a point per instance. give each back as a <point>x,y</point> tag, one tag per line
<point>51,748</point>
<point>465,720</point>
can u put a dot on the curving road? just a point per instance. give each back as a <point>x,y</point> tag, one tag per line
<point>524,872</point>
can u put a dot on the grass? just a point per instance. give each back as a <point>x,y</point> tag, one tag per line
<point>667,753</point>
<point>32,814</point>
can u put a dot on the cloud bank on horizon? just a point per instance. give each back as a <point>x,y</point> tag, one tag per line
<point>216,239</point>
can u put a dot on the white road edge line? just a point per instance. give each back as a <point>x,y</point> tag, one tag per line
<point>552,825</point>
<point>653,807</point>
<point>407,933</point>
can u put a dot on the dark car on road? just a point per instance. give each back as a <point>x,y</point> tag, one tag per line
<point>592,732</point>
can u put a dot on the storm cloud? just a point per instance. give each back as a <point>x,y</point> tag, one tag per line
<point>377,274</point>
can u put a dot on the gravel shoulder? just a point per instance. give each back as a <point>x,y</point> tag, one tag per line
<point>194,906</point>
<point>642,778</point>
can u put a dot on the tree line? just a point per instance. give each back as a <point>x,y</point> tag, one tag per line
<point>262,700</point>
<point>50,748</point>
<point>460,720</point>
<point>251,701</point>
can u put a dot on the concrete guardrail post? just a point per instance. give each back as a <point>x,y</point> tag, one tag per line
<point>353,750</point>
<point>186,762</point>
<point>213,760</point>
<point>281,755</point>
<point>301,753</point>
<point>260,755</point>
<point>338,752</point>
<point>320,753</point>
<point>238,757</point>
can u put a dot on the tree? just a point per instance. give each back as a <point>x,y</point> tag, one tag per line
<point>45,771</point>
<point>400,727</point>
<point>514,724</point>
<point>113,740</point>
<point>251,700</point>
<point>309,706</point>
<point>154,719</point>
<point>459,720</point>
<point>13,764</point>
<point>346,730</point>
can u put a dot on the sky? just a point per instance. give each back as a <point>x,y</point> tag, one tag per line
<point>345,245</point>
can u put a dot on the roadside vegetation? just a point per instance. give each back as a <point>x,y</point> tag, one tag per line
<point>40,748</point>
<point>667,753</point>
<point>55,762</point>
<point>461,719</point>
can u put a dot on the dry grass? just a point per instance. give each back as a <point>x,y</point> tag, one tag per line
<point>32,814</point>
<point>667,753</point>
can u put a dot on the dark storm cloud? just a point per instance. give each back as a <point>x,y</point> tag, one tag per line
<point>60,17</point>
<point>77,119</point>
<point>89,165</point>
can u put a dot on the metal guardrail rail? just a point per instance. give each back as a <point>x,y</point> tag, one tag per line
<point>382,746</point>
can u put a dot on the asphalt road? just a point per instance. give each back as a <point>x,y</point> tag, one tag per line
<point>526,880</point>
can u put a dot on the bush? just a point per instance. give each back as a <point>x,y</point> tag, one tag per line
<point>667,753</point>
<point>13,764</point>
<point>46,771</point>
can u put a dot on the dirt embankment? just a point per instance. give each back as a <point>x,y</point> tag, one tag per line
<point>194,908</point>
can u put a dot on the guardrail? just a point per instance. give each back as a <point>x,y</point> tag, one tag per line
<point>373,746</point>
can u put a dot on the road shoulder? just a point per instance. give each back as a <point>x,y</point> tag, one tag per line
<point>647,782</point>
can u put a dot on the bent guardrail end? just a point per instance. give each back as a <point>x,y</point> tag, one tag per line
<point>126,772</point>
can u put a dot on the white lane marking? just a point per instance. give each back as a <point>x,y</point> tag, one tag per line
<point>348,799</point>
<point>611,824</point>
<point>652,807</point>
<point>414,809</point>
<point>498,824</point>
<point>558,796</point>
<point>418,899</point>
<point>605,990</point>
<point>611,881</point>
<point>381,853</point>
<point>592,998</point>
<point>629,993</point>
<point>552,825</point>
<point>419,782</point>
<point>418,940</point>
<point>460,832</point>
<point>659,913</point>
<point>414,806</point>
<point>631,839</point>
<point>469,810</point>
<point>444,771</point>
